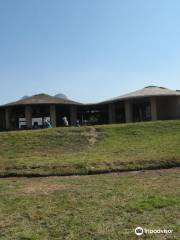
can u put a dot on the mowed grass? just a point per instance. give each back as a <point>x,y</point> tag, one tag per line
<point>86,150</point>
<point>90,149</point>
<point>100,207</point>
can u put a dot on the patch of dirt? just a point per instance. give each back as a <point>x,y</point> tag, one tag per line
<point>92,136</point>
<point>41,187</point>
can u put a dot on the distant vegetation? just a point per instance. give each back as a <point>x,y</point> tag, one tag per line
<point>87,150</point>
<point>61,95</point>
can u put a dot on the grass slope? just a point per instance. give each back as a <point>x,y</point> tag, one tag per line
<point>85,150</point>
<point>101,207</point>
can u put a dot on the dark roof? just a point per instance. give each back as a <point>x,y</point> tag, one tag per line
<point>42,99</point>
<point>150,91</point>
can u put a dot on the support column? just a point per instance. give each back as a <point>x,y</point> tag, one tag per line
<point>73,115</point>
<point>28,116</point>
<point>128,111</point>
<point>112,114</point>
<point>7,119</point>
<point>53,115</point>
<point>153,109</point>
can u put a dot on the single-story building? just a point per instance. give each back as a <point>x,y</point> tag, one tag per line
<point>27,112</point>
<point>148,104</point>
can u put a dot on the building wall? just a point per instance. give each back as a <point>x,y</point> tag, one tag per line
<point>168,108</point>
<point>175,107</point>
<point>2,119</point>
<point>120,112</point>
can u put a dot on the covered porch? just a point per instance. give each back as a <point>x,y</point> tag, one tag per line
<point>34,116</point>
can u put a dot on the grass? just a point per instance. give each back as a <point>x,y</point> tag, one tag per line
<point>101,207</point>
<point>98,207</point>
<point>87,150</point>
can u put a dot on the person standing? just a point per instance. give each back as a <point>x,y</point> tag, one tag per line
<point>65,121</point>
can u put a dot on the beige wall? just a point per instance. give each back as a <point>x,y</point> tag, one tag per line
<point>128,111</point>
<point>28,116</point>
<point>53,115</point>
<point>154,110</point>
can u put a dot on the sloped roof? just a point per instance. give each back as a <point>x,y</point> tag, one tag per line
<point>150,91</point>
<point>42,99</point>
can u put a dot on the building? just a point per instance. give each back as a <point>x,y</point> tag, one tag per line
<point>148,104</point>
<point>31,111</point>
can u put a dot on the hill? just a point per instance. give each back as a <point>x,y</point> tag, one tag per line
<point>89,150</point>
<point>98,207</point>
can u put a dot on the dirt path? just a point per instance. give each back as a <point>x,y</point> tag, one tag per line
<point>120,173</point>
<point>92,136</point>
<point>47,185</point>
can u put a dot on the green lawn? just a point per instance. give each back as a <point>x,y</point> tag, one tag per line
<point>100,207</point>
<point>85,150</point>
<point>97,207</point>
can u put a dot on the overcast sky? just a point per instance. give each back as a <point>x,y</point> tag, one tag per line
<point>90,50</point>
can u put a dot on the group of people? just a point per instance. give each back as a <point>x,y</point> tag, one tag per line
<point>47,123</point>
<point>66,123</point>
